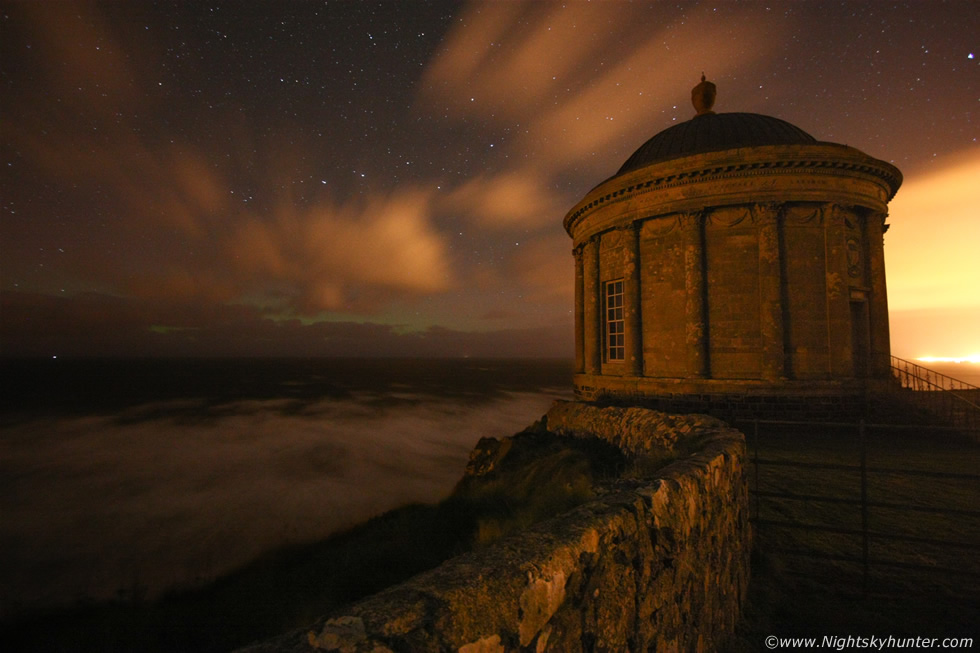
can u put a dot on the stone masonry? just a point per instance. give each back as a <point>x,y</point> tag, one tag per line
<point>656,563</point>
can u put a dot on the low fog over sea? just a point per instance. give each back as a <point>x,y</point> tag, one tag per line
<point>124,478</point>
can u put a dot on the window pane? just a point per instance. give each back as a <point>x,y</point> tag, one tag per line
<point>615,325</point>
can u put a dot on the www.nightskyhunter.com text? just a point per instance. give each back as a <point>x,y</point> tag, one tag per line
<point>840,643</point>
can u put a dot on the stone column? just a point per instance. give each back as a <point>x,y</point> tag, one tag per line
<point>631,290</point>
<point>592,308</point>
<point>766,216</point>
<point>696,336</point>
<point>579,311</point>
<point>840,353</point>
<point>874,236</point>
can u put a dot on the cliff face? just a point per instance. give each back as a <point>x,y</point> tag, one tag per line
<point>656,562</point>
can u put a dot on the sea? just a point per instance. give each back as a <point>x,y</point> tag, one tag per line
<point>129,478</point>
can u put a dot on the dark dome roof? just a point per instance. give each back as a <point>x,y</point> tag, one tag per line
<point>714,132</point>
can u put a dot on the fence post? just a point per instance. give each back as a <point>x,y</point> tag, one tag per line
<point>864,505</point>
<point>755,440</point>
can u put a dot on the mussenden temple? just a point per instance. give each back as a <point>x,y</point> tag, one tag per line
<point>734,264</point>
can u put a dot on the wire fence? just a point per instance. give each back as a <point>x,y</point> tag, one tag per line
<point>816,495</point>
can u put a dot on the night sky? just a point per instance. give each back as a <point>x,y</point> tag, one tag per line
<point>390,178</point>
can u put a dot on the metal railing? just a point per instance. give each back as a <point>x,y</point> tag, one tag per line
<point>955,402</point>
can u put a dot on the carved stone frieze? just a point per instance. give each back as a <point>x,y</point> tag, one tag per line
<point>815,170</point>
<point>729,217</point>
<point>659,226</point>
<point>834,215</point>
<point>804,214</point>
<point>611,239</point>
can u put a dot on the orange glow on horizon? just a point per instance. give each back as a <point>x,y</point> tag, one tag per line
<point>972,358</point>
<point>931,248</point>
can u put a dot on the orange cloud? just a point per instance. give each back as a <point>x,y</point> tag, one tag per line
<point>80,54</point>
<point>518,199</point>
<point>540,64</point>
<point>200,241</point>
<point>545,268</point>
<point>338,257</point>
<point>508,59</point>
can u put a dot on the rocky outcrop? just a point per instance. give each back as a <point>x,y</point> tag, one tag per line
<point>636,431</point>
<point>657,563</point>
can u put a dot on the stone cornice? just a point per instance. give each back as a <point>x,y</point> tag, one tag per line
<point>821,159</point>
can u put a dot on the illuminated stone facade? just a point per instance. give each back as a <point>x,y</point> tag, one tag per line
<point>748,261</point>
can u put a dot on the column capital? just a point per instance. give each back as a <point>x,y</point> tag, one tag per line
<point>836,214</point>
<point>766,212</point>
<point>690,220</point>
<point>879,219</point>
<point>630,227</point>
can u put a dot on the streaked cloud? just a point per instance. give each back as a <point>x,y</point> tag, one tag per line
<point>544,267</point>
<point>341,256</point>
<point>584,79</point>
<point>515,199</point>
<point>80,55</point>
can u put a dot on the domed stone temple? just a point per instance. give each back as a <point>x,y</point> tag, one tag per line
<point>734,264</point>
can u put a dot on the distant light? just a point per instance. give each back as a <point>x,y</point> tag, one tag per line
<point>972,358</point>
<point>969,56</point>
<point>55,356</point>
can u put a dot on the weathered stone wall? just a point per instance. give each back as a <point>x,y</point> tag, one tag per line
<point>657,563</point>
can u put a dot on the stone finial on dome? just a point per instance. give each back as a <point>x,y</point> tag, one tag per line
<point>703,96</point>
